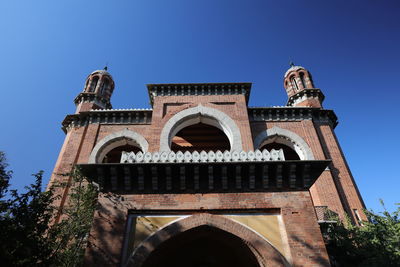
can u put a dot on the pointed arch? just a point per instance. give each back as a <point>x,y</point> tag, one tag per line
<point>264,252</point>
<point>288,138</point>
<point>114,140</point>
<point>201,114</point>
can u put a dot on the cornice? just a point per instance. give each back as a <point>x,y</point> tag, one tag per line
<point>306,94</point>
<point>92,97</point>
<point>293,114</point>
<point>110,116</point>
<point>198,89</point>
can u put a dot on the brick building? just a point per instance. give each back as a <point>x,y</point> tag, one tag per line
<point>202,179</point>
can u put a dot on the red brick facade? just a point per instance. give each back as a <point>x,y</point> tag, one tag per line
<point>304,123</point>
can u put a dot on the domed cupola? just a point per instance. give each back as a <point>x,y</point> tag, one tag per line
<point>300,88</point>
<point>97,92</point>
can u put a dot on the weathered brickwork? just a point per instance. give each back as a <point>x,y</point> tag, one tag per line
<point>308,131</point>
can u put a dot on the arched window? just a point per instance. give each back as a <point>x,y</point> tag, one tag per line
<point>294,83</point>
<point>93,84</point>
<point>200,137</point>
<point>104,86</point>
<point>303,81</point>
<point>114,155</point>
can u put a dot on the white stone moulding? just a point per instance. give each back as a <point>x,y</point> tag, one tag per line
<point>203,156</point>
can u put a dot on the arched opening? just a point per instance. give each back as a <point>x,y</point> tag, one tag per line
<point>287,138</point>
<point>202,246</point>
<point>200,137</point>
<point>303,81</point>
<point>294,83</point>
<point>104,86</point>
<point>205,115</point>
<point>125,140</point>
<point>93,83</point>
<point>289,153</point>
<point>114,155</point>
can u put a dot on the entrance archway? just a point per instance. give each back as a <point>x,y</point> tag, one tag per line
<point>204,228</point>
<point>200,247</point>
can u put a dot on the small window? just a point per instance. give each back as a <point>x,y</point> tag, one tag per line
<point>104,86</point>
<point>303,81</point>
<point>294,83</point>
<point>357,214</point>
<point>93,84</point>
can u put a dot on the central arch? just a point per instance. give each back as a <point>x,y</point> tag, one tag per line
<point>206,228</point>
<point>196,115</point>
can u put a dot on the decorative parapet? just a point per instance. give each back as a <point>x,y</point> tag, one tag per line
<point>108,116</point>
<point>292,114</point>
<point>211,156</point>
<point>198,89</point>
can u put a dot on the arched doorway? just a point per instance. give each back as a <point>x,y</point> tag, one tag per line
<point>221,238</point>
<point>200,137</point>
<point>203,246</point>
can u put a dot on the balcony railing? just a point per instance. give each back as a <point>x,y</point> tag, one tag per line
<point>325,215</point>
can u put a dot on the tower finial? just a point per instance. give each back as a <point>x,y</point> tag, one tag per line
<point>106,66</point>
<point>291,63</point>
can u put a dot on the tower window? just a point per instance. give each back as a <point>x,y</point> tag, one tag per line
<point>104,86</point>
<point>302,79</point>
<point>294,83</point>
<point>93,84</point>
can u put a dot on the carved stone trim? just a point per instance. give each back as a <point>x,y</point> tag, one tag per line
<point>187,157</point>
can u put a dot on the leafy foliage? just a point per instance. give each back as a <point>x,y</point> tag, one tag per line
<point>376,243</point>
<point>29,236</point>
<point>72,231</point>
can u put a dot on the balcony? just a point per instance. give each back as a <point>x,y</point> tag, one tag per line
<point>193,172</point>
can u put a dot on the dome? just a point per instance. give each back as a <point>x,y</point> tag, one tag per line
<point>293,68</point>
<point>103,72</point>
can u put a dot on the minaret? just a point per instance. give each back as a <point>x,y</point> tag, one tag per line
<point>97,92</point>
<point>300,88</point>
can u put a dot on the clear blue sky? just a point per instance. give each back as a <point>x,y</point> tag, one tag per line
<point>47,48</point>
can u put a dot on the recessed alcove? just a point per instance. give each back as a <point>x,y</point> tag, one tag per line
<point>114,155</point>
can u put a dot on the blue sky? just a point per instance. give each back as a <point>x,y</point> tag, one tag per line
<point>47,48</point>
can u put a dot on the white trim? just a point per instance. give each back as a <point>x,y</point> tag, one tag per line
<point>114,140</point>
<point>285,137</point>
<point>204,115</point>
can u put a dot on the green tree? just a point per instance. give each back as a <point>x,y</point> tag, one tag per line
<point>28,236</point>
<point>375,243</point>
<point>24,221</point>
